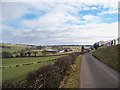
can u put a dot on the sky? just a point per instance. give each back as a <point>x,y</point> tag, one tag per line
<point>51,22</point>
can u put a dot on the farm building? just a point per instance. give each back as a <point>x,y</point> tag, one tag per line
<point>49,52</point>
<point>109,43</point>
<point>61,51</point>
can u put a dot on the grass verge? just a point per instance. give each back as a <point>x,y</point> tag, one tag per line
<point>73,80</point>
<point>109,55</point>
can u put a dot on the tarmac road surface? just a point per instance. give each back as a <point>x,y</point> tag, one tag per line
<point>95,74</point>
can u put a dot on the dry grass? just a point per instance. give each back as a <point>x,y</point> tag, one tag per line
<point>73,80</point>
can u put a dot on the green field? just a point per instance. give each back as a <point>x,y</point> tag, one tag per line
<point>18,73</point>
<point>109,55</point>
<point>13,48</point>
<point>23,60</point>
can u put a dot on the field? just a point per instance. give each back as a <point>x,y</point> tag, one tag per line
<point>13,48</point>
<point>18,67</point>
<point>22,60</point>
<point>109,56</point>
<point>11,72</point>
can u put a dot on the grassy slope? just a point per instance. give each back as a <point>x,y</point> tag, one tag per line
<point>21,72</point>
<point>109,56</point>
<point>73,80</point>
<point>18,73</point>
<point>13,49</point>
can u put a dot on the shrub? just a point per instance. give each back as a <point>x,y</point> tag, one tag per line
<point>3,67</point>
<point>39,62</point>
<point>29,54</point>
<point>17,65</point>
<point>27,64</point>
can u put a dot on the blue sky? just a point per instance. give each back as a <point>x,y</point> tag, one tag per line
<point>45,22</point>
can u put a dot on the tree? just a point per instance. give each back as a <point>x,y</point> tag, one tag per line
<point>114,42</point>
<point>25,54</point>
<point>21,54</point>
<point>6,54</point>
<point>35,53</point>
<point>66,50</point>
<point>14,54</point>
<point>29,53</point>
<point>39,47</point>
<point>44,52</point>
<point>82,48</point>
<point>96,45</point>
<point>111,42</point>
<point>118,39</point>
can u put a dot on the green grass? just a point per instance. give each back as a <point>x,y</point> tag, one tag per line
<point>13,49</point>
<point>73,80</point>
<point>18,73</point>
<point>22,60</point>
<point>109,56</point>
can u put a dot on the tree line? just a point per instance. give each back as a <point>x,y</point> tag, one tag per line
<point>22,53</point>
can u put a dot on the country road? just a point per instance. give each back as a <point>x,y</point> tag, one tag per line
<point>95,74</point>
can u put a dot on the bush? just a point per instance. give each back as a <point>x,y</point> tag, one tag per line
<point>9,66</point>
<point>39,62</point>
<point>27,64</point>
<point>17,65</point>
<point>3,67</point>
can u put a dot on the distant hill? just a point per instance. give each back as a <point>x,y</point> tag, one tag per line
<point>109,55</point>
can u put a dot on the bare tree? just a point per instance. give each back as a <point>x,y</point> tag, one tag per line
<point>35,53</point>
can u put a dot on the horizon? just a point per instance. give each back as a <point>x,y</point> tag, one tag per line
<point>58,23</point>
<point>45,44</point>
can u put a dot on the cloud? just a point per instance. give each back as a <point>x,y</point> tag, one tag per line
<point>12,10</point>
<point>59,22</point>
<point>109,12</point>
<point>85,33</point>
<point>89,17</point>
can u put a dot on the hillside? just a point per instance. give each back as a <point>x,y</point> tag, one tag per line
<point>109,55</point>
